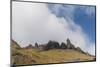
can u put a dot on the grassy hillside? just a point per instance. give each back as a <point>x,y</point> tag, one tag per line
<point>23,56</point>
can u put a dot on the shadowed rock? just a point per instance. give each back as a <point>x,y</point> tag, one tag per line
<point>52,45</point>
<point>63,45</point>
<point>70,45</point>
<point>36,45</point>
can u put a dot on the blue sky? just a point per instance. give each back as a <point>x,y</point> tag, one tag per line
<point>86,21</point>
<point>81,15</point>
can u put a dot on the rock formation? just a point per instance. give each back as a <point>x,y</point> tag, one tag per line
<point>36,45</point>
<point>55,45</point>
<point>63,46</point>
<point>70,45</point>
<point>52,45</point>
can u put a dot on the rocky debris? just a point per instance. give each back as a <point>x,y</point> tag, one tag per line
<point>63,45</point>
<point>52,45</point>
<point>70,45</point>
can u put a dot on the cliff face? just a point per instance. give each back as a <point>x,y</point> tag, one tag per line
<point>52,52</point>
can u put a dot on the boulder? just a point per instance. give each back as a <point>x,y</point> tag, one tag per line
<point>63,45</point>
<point>52,45</point>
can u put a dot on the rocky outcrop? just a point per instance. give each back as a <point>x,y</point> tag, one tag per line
<point>63,46</point>
<point>55,45</point>
<point>70,45</point>
<point>36,45</point>
<point>52,45</point>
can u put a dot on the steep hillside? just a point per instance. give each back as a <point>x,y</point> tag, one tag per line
<point>32,55</point>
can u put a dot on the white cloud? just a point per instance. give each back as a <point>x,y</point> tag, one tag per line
<point>33,22</point>
<point>67,10</point>
<point>91,49</point>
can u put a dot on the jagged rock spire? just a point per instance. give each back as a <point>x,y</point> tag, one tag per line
<point>70,45</point>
